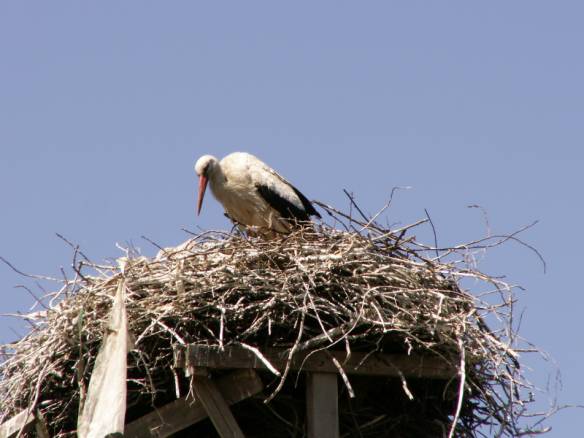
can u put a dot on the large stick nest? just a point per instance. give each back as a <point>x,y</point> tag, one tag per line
<point>365,288</point>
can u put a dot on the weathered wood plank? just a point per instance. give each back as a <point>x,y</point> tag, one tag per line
<point>390,365</point>
<point>322,406</point>
<point>11,427</point>
<point>212,400</point>
<point>103,411</point>
<point>182,413</point>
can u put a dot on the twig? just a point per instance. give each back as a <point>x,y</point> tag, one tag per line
<point>462,375</point>
<point>262,358</point>
<point>291,353</point>
<point>434,232</point>
<point>343,376</point>
<point>37,277</point>
<point>31,293</point>
<point>354,204</point>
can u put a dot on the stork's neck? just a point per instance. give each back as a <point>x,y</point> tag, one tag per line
<point>216,176</point>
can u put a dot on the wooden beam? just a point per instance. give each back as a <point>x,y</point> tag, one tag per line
<point>322,405</point>
<point>389,365</point>
<point>182,413</point>
<point>23,420</point>
<point>212,400</point>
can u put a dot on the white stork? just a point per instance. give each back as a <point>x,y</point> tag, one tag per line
<point>252,193</point>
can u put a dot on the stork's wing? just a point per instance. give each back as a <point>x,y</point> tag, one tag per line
<point>308,207</point>
<point>287,207</point>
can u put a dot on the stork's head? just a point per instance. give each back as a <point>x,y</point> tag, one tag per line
<point>204,167</point>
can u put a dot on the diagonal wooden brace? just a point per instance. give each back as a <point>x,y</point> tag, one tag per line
<point>183,412</point>
<point>217,408</point>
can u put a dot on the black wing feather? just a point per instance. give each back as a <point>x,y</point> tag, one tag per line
<point>286,209</point>
<point>308,207</point>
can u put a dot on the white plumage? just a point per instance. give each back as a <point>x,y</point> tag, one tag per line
<point>252,193</point>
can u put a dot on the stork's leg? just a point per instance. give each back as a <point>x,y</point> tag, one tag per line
<point>236,225</point>
<point>253,231</point>
<point>242,229</point>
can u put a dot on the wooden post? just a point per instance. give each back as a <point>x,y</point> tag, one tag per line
<point>322,405</point>
<point>215,405</point>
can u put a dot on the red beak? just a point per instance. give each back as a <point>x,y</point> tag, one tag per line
<point>202,187</point>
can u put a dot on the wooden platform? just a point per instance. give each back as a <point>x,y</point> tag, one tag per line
<point>367,364</point>
<point>213,397</point>
<point>322,369</point>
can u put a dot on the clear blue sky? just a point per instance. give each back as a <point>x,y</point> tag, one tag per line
<point>105,106</point>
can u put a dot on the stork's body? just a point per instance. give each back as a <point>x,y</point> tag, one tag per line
<point>252,193</point>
